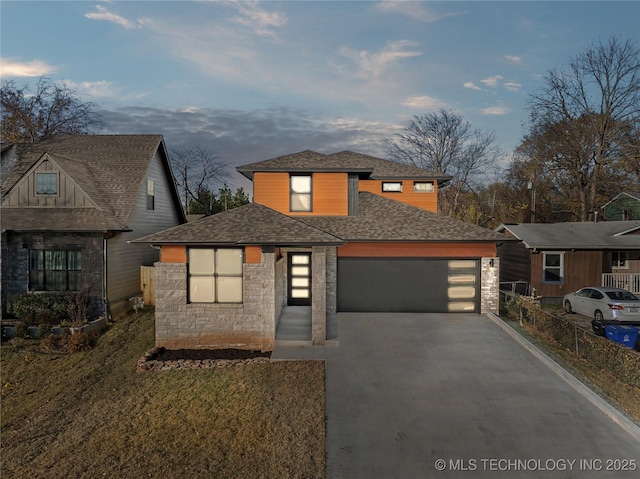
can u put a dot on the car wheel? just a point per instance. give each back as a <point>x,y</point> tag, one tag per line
<point>598,315</point>
<point>567,307</point>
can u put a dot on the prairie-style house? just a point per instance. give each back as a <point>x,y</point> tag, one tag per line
<point>333,233</point>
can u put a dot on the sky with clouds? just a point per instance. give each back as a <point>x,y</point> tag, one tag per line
<point>257,79</point>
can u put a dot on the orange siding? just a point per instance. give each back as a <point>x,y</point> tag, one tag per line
<point>252,254</point>
<point>418,250</point>
<point>272,190</point>
<point>580,269</point>
<point>329,193</point>
<point>424,200</point>
<point>173,254</point>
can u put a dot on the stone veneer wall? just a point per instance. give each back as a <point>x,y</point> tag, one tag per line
<point>250,325</point>
<point>15,262</point>
<point>490,286</point>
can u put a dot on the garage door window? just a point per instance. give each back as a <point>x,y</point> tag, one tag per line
<point>553,268</point>
<point>462,288</point>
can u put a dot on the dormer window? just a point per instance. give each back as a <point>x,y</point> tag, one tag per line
<point>392,187</point>
<point>300,193</point>
<point>46,183</point>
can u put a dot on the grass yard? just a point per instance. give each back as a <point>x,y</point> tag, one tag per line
<point>91,415</point>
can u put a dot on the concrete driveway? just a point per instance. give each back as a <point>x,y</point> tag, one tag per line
<point>436,395</point>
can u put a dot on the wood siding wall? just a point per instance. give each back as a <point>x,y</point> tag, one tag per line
<point>69,193</point>
<point>580,269</point>
<point>173,254</point>
<point>329,193</point>
<point>253,254</point>
<point>417,250</point>
<point>424,200</point>
<point>123,259</point>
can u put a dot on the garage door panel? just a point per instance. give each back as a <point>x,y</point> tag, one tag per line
<point>406,285</point>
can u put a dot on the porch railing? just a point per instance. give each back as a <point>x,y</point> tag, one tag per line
<point>628,281</point>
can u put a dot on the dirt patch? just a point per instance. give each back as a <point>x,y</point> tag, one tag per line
<point>203,354</point>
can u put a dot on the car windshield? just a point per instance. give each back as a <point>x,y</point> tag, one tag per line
<point>622,296</point>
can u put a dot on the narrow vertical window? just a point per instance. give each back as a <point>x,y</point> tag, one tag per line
<point>46,183</point>
<point>300,193</point>
<point>151,198</point>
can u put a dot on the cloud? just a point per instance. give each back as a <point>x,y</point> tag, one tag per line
<point>512,86</point>
<point>103,14</point>
<point>513,58</point>
<point>492,81</point>
<point>472,86</point>
<point>98,89</point>
<point>372,65</point>
<point>33,68</point>
<point>241,137</point>
<point>424,102</point>
<point>495,110</point>
<point>415,10</point>
<point>261,21</point>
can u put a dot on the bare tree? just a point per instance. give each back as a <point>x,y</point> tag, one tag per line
<point>51,110</point>
<point>445,142</point>
<point>584,121</point>
<point>198,171</point>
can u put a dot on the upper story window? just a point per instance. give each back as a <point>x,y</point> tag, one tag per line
<point>423,186</point>
<point>46,183</point>
<point>151,197</point>
<point>392,186</point>
<point>553,266</point>
<point>300,193</point>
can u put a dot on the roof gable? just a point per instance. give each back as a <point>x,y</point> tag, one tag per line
<point>344,161</point>
<point>110,169</point>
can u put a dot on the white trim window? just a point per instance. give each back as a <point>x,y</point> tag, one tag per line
<point>215,275</point>
<point>300,193</point>
<point>619,259</point>
<point>553,267</point>
<point>423,187</point>
<point>392,186</point>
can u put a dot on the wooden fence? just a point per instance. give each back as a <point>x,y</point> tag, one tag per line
<point>148,285</point>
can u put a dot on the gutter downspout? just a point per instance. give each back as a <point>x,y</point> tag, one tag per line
<point>105,297</point>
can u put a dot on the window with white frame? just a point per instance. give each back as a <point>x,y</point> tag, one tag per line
<point>215,275</point>
<point>392,186</point>
<point>300,193</point>
<point>423,186</point>
<point>619,259</point>
<point>46,183</point>
<point>553,267</point>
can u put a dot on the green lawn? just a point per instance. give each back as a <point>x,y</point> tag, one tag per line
<point>91,415</point>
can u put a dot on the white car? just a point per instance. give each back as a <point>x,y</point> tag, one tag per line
<point>604,304</point>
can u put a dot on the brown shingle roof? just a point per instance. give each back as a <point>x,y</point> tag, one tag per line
<point>383,219</point>
<point>53,219</point>
<point>109,168</point>
<point>249,224</point>
<point>344,161</point>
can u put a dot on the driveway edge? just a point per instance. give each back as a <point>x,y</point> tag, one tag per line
<point>625,423</point>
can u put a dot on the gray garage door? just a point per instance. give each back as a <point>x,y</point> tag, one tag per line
<point>408,285</point>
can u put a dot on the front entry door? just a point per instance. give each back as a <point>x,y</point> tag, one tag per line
<point>299,279</point>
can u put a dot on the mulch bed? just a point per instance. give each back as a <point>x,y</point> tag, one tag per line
<point>202,354</point>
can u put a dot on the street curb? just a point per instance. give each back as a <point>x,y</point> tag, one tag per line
<point>615,415</point>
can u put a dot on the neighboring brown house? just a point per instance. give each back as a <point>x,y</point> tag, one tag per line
<point>333,233</point>
<point>559,258</point>
<point>70,205</point>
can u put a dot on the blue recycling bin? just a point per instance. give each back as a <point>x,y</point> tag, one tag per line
<point>622,334</point>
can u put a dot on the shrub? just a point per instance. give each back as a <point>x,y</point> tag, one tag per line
<point>21,330</point>
<point>44,330</point>
<point>53,343</point>
<point>35,308</point>
<point>78,342</point>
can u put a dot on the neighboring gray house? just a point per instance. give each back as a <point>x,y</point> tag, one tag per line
<point>70,205</point>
